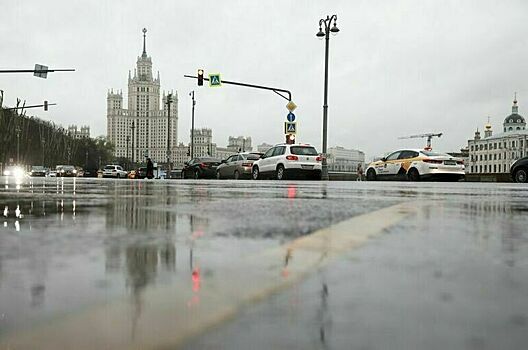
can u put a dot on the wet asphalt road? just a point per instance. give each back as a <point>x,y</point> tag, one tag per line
<point>452,275</point>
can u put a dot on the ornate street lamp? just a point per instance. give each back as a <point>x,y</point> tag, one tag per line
<point>324,32</point>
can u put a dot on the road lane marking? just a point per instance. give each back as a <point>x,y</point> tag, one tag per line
<point>164,318</point>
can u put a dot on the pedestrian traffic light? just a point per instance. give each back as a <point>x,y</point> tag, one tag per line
<point>45,105</point>
<point>290,139</point>
<point>200,77</point>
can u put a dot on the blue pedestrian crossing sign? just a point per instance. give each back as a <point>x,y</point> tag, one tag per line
<point>290,117</point>
<point>290,128</point>
<point>214,80</point>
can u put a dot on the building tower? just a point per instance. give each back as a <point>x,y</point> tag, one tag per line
<point>514,121</point>
<point>487,129</point>
<point>144,121</point>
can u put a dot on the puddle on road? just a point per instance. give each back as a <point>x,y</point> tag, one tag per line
<point>67,244</point>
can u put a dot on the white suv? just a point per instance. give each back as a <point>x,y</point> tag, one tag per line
<point>284,160</point>
<point>114,171</point>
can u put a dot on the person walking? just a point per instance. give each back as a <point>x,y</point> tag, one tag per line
<point>360,172</point>
<point>150,169</point>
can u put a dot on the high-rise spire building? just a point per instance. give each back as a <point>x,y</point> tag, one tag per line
<point>142,126</point>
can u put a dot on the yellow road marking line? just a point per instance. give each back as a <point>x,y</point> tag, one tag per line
<point>163,318</point>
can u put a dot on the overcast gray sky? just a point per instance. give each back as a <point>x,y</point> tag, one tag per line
<point>396,67</point>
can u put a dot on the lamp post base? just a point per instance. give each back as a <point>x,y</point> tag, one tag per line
<point>324,173</point>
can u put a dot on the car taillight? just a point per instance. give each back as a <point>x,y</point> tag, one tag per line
<point>247,164</point>
<point>318,158</point>
<point>433,161</point>
<point>203,165</point>
<point>460,162</point>
<point>292,157</point>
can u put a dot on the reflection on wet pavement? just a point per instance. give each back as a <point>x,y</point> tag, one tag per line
<point>67,245</point>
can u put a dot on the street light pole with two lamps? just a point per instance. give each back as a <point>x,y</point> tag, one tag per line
<point>326,34</point>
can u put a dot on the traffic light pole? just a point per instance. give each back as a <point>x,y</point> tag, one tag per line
<point>33,106</point>
<point>278,91</point>
<point>192,126</point>
<point>169,101</point>
<point>35,70</point>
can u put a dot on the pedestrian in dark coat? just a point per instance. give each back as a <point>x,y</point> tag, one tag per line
<point>150,169</point>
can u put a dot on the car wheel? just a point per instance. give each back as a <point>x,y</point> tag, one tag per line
<point>237,175</point>
<point>413,175</point>
<point>520,175</point>
<point>196,174</point>
<point>279,173</point>
<point>218,176</point>
<point>371,175</point>
<point>255,173</point>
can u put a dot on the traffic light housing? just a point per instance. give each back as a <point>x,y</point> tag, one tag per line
<point>290,139</point>
<point>200,77</point>
<point>45,105</point>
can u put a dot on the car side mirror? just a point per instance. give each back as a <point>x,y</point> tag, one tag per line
<point>383,159</point>
<point>223,161</point>
<point>263,156</point>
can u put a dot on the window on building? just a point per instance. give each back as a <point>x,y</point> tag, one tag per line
<point>494,168</point>
<point>495,145</point>
<point>499,168</point>
<point>480,168</point>
<point>485,168</point>
<point>485,157</point>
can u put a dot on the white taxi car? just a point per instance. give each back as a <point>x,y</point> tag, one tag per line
<point>416,164</point>
<point>287,160</point>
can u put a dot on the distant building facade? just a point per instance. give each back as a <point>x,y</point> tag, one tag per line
<point>263,147</point>
<point>142,125</point>
<point>239,143</point>
<point>345,160</point>
<point>76,133</point>
<point>203,143</point>
<point>495,153</point>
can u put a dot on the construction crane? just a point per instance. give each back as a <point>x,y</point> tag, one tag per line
<point>429,137</point>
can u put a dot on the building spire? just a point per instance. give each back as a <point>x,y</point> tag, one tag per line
<point>144,42</point>
<point>515,108</point>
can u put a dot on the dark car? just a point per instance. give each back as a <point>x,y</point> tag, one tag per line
<point>237,166</point>
<point>200,168</point>
<point>519,170</point>
<point>38,170</point>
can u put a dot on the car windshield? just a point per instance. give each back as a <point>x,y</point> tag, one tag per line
<point>68,167</point>
<point>252,156</point>
<point>37,167</point>
<point>303,150</point>
<point>435,154</point>
<point>109,167</point>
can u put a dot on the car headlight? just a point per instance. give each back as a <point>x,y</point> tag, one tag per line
<point>74,171</point>
<point>18,172</point>
<point>7,173</point>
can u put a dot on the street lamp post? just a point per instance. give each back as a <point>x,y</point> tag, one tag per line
<point>169,101</point>
<point>132,127</point>
<point>326,34</point>
<point>192,123</point>
<point>127,155</point>
<point>18,144</point>
<point>43,141</point>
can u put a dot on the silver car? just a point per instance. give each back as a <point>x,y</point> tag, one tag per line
<point>237,166</point>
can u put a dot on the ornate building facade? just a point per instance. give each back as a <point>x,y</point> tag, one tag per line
<point>493,154</point>
<point>141,129</point>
